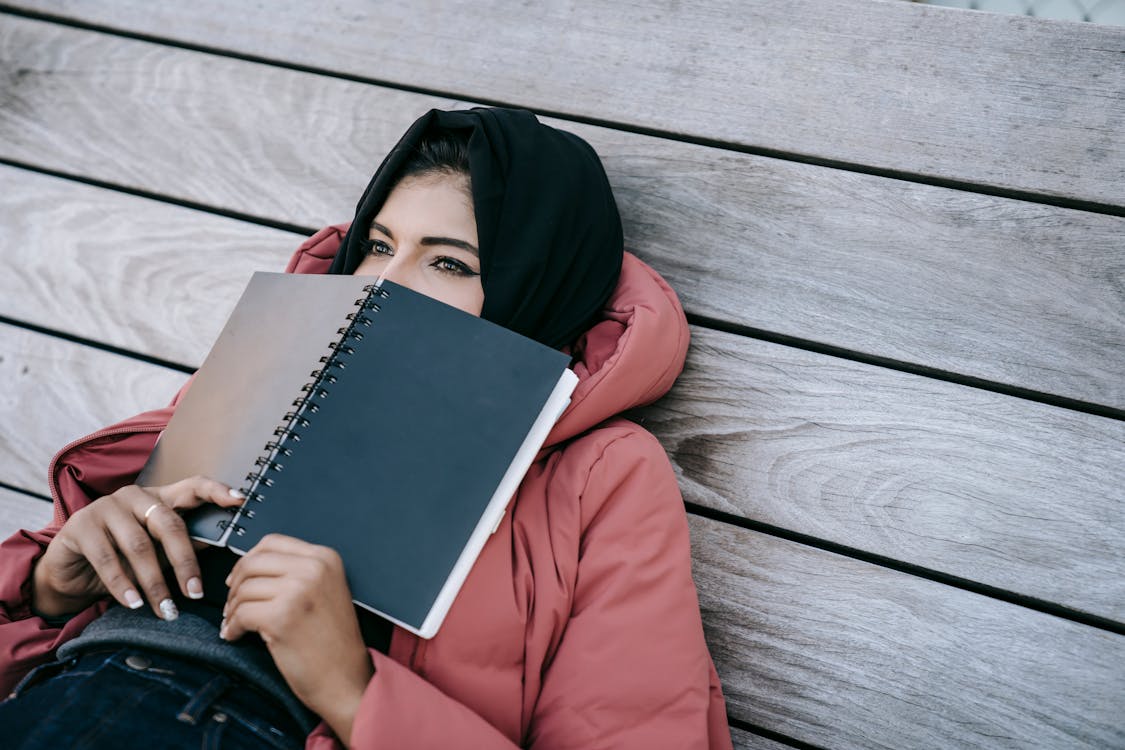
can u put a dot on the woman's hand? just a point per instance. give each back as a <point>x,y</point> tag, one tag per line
<point>112,546</point>
<point>294,595</point>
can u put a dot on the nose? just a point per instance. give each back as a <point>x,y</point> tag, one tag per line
<point>398,271</point>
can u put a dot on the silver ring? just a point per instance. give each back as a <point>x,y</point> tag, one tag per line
<point>151,508</point>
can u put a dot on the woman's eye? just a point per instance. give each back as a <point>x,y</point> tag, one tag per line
<point>453,266</point>
<point>378,247</point>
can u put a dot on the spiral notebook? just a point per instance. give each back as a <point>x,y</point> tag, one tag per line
<point>368,418</point>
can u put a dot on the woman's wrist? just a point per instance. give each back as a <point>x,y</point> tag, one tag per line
<point>339,711</point>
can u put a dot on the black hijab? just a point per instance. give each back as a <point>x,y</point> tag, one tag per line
<point>548,230</point>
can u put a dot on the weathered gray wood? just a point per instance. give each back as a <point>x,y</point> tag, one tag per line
<point>1008,101</point>
<point>140,274</point>
<point>268,142</point>
<point>20,511</point>
<point>53,391</point>
<point>749,741</point>
<point>1012,292</point>
<point>1007,291</point>
<point>843,654</point>
<point>1014,494</point>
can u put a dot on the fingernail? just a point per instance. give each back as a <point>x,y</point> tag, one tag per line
<point>133,599</point>
<point>223,629</point>
<point>236,494</point>
<point>168,610</point>
<point>226,608</point>
<point>195,588</point>
<point>227,581</point>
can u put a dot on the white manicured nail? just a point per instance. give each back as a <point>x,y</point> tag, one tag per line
<point>133,599</point>
<point>168,610</point>
<point>236,494</point>
<point>195,588</point>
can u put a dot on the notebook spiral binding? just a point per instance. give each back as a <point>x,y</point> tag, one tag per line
<point>304,406</point>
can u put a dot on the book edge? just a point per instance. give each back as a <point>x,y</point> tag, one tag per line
<point>494,512</point>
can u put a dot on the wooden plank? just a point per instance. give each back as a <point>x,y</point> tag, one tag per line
<point>744,740</point>
<point>1013,494</point>
<point>1011,102</point>
<point>139,274</point>
<point>263,141</point>
<point>1005,291</point>
<point>1002,290</point>
<point>843,654</point>
<point>56,391</point>
<point>20,511</point>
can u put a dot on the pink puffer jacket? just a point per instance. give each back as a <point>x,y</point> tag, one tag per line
<point>578,627</point>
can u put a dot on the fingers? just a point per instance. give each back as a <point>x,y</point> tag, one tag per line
<point>283,572</point>
<point>147,526</point>
<point>166,525</point>
<point>119,546</point>
<point>263,563</point>
<point>195,491</point>
<point>160,523</point>
<point>290,545</point>
<point>168,528</point>
<point>249,617</point>
<point>121,553</point>
<point>255,581</point>
<point>239,617</point>
<point>100,552</point>
<point>279,555</point>
<point>133,537</point>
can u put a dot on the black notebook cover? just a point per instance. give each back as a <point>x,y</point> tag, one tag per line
<point>396,456</point>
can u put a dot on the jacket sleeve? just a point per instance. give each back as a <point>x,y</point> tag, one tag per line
<point>401,709</point>
<point>95,469</point>
<point>632,669</point>
<point>26,640</point>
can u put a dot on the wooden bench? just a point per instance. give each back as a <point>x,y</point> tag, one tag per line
<point>897,230</point>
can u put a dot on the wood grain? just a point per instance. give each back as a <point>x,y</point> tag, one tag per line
<point>53,391</point>
<point>744,740</point>
<point>1007,101</point>
<point>1017,293</point>
<point>1011,292</point>
<point>139,274</point>
<point>264,141</point>
<point>1017,495</point>
<point>842,654</point>
<point>20,511</point>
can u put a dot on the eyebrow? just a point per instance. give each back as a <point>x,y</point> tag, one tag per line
<point>449,241</point>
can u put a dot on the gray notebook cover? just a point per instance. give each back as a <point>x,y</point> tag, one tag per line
<point>403,463</point>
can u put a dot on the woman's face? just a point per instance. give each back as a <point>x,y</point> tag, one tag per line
<point>425,238</point>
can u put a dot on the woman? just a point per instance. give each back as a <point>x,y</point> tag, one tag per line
<point>578,625</point>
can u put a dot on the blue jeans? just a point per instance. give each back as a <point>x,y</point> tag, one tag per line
<point>133,698</point>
